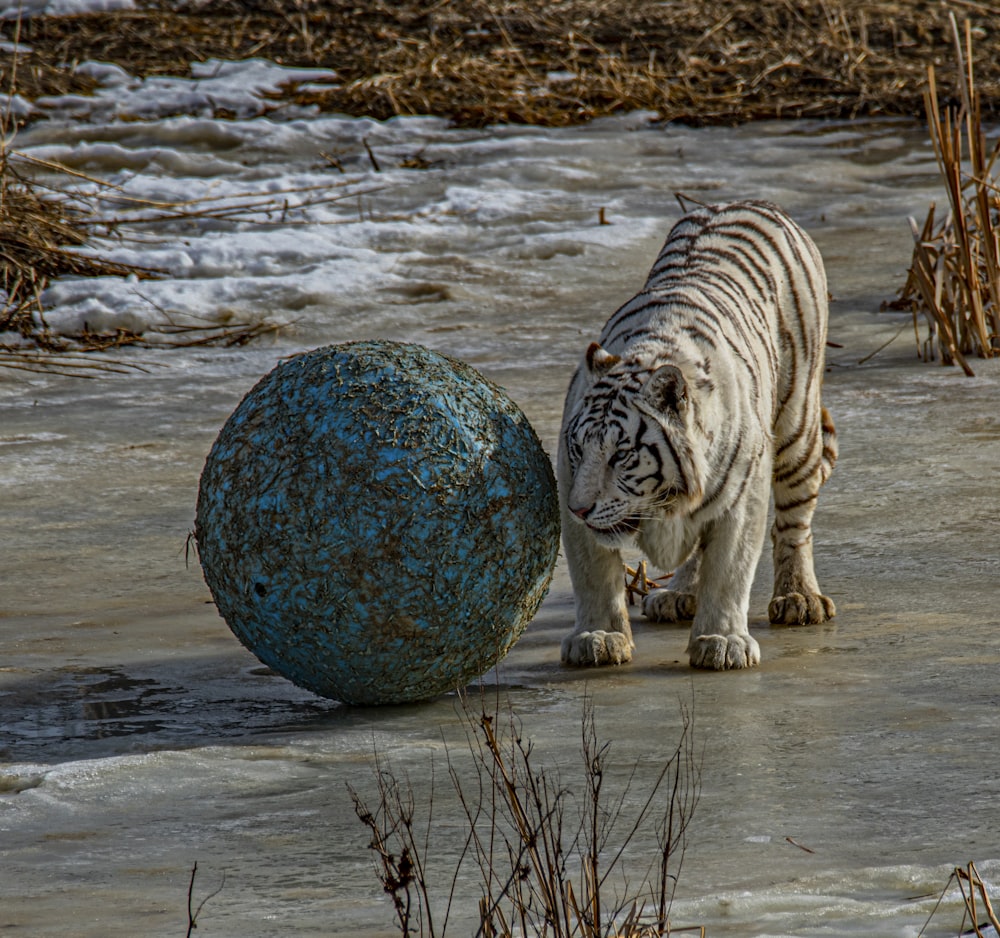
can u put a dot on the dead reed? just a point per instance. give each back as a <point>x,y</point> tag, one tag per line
<point>973,889</point>
<point>638,584</point>
<point>38,231</point>
<point>954,278</point>
<point>550,863</point>
<point>555,62</point>
<point>54,222</point>
<point>976,900</point>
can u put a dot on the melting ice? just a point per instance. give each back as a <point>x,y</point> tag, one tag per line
<point>842,781</point>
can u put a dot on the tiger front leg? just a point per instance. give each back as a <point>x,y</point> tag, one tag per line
<point>602,634</point>
<point>720,635</point>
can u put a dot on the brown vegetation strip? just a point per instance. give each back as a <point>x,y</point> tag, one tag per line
<point>552,63</point>
<point>38,234</point>
<point>45,222</point>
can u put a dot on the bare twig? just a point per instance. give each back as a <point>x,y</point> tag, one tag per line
<point>518,836</point>
<point>193,913</point>
<point>637,583</point>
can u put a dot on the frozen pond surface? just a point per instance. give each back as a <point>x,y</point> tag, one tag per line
<point>137,736</point>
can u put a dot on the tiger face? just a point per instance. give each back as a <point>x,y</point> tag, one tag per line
<point>629,447</point>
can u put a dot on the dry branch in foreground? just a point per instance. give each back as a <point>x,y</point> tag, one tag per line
<point>550,859</point>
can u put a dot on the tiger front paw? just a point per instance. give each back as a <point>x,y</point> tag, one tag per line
<point>588,649</point>
<point>724,652</point>
<point>801,609</point>
<point>669,606</point>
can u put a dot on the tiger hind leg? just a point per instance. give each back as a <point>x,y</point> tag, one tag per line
<point>678,602</point>
<point>798,474</point>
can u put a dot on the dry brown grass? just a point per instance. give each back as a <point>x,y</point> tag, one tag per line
<point>485,61</point>
<point>48,213</point>
<point>38,231</point>
<point>954,278</point>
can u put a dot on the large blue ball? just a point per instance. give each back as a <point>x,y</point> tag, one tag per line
<point>377,522</point>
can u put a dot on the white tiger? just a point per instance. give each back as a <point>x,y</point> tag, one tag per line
<point>702,396</point>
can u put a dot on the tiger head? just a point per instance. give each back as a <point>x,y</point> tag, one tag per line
<point>629,445</point>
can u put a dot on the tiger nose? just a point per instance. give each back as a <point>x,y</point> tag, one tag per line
<point>581,513</point>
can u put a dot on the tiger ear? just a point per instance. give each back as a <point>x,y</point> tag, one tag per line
<point>666,390</point>
<point>599,361</point>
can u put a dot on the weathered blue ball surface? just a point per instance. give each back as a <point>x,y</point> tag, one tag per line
<point>377,522</point>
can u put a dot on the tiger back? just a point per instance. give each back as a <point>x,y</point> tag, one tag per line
<point>701,398</point>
